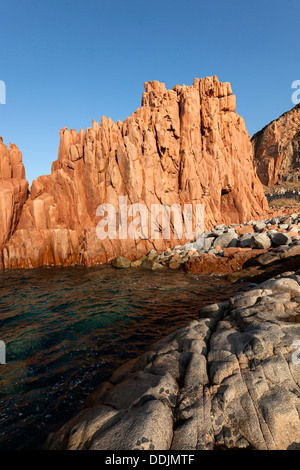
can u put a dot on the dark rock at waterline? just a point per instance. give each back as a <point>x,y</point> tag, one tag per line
<point>121,262</point>
<point>234,259</point>
<point>151,264</point>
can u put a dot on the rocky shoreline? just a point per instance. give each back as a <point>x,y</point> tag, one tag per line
<point>227,249</point>
<point>230,380</point>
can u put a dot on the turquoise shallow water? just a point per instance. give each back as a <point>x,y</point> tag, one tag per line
<point>68,329</point>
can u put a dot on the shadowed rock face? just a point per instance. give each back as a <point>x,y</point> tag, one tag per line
<point>13,189</point>
<point>277,149</point>
<point>185,145</point>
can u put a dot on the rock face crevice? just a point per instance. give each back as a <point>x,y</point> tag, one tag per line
<point>182,146</point>
<point>277,149</point>
<point>230,380</point>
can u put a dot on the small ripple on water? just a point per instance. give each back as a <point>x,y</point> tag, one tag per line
<point>67,330</point>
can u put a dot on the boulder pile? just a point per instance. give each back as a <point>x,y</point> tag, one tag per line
<point>225,249</point>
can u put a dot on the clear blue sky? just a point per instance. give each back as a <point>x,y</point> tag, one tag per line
<point>68,62</point>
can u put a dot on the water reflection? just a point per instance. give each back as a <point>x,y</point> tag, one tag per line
<point>67,329</point>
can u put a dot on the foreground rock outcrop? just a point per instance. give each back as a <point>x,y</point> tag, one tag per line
<point>185,145</point>
<point>230,380</point>
<point>13,189</point>
<point>277,149</point>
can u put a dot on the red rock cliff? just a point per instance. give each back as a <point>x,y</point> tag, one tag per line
<point>182,145</point>
<point>277,149</point>
<point>13,189</point>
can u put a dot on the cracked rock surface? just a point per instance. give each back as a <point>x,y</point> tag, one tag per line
<point>183,146</point>
<point>226,381</point>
